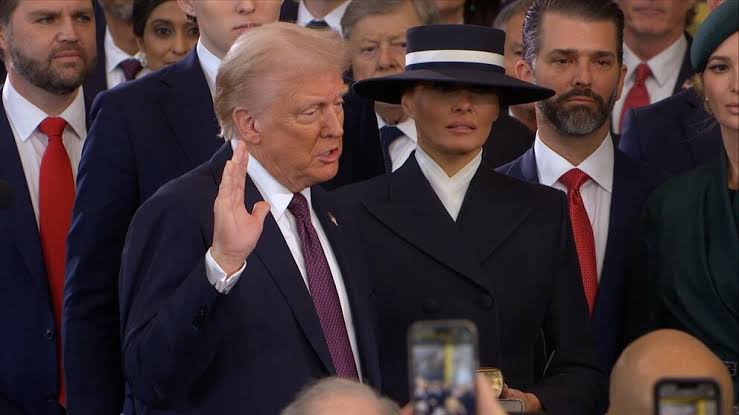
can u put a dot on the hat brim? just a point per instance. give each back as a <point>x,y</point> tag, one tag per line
<point>511,91</point>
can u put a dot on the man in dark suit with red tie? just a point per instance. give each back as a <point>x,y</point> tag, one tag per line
<point>242,280</point>
<point>49,47</point>
<point>574,47</point>
<point>144,133</point>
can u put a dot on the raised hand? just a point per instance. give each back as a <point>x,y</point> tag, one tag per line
<point>235,230</point>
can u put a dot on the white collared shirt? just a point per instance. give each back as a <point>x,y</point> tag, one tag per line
<point>596,193</point>
<point>665,68</point>
<point>24,119</point>
<point>449,190</point>
<point>333,19</point>
<point>210,64</point>
<point>402,147</point>
<point>279,197</point>
<point>113,57</point>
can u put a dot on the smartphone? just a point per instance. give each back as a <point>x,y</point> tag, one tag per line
<point>443,361</point>
<point>687,397</point>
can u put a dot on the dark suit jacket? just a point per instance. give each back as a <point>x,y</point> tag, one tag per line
<point>289,11</point>
<point>189,348</point>
<point>145,133</point>
<point>508,139</point>
<point>674,135</point>
<point>28,353</point>
<point>632,183</point>
<point>508,264</point>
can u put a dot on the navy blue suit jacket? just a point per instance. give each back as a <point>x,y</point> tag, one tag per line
<point>675,134</point>
<point>145,133</point>
<point>189,349</point>
<point>632,183</point>
<point>28,354</point>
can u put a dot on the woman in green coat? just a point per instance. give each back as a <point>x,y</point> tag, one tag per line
<point>691,233</point>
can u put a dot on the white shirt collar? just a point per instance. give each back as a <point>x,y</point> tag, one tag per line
<point>333,19</point>
<point>449,190</point>
<point>599,165</point>
<point>113,54</point>
<point>273,192</point>
<point>26,117</point>
<point>407,127</point>
<point>662,64</point>
<point>210,64</point>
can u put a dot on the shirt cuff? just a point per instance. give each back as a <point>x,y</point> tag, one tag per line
<point>217,276</point>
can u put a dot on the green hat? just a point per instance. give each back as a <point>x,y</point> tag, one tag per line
<point>719,25</point>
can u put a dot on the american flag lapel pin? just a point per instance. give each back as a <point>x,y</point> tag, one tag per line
<point>333,219</point>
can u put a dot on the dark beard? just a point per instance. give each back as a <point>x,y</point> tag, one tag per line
<point>41,74</point>
<point>580,120</point>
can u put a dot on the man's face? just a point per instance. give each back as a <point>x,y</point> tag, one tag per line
<point>301,130</point>
<point>221,22</point>
<point>377,42</point>
<point>447,6</point>
<point>452,120</point>
<point>578,60</point>
<point>655,18</point>
<point>120,9</point>
<point>51,43</point>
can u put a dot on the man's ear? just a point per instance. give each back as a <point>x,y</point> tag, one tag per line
<point>524,71</point>
<point>246,126</point>
<point>187,7</point>
<point>406,102</point>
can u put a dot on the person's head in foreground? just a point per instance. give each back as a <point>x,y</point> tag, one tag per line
<point>657,355</point>
<point>453,86</point>
<point>279,91</point>
<point>339,396</point>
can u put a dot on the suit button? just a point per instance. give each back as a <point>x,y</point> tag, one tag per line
<point>486,301</point>
<point>203,312</point>
<point>430,305</point>
<point>49,334</point>
<point>200,318</point>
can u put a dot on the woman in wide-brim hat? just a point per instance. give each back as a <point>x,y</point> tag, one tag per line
<point>448,237</point>
<point>690,238</point>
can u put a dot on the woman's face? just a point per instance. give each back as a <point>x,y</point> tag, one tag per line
<point>168,35</point>
<point>721,83</point>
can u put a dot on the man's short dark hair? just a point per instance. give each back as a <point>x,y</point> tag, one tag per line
<point>589,10</point>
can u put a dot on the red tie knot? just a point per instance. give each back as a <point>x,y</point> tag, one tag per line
<point>573,179</point>
<point>641,73</point>
<point>53,127</point>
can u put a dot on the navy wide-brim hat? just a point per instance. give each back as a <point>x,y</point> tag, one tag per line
<point>456,54</point>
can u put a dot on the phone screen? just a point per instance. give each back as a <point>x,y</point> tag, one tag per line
<point>687,397</point>
<point>443,364</point>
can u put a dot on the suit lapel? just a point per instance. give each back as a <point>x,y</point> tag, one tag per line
<point>21,220</point>
<point>188,107</point>
<point>273,252</point>
<point>491,211</point>
<point>415,214</point>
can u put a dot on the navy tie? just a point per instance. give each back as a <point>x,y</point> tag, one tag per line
<point>388,134</point>
<point>323,291</point>
<point>317,24</point>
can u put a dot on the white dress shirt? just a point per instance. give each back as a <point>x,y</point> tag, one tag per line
<point>449,190</point>
<point>665,68</point>
<point>210,64</point>
<point>333,19</point>
<point>402,147</point>
<point>279,197</point>
<point>596,193</point>
<point>113,57</point>
<point>24,119</point>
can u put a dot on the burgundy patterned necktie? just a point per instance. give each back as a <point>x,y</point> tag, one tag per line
<point>323,290</point>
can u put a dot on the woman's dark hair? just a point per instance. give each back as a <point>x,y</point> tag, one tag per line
<point>141,11</point>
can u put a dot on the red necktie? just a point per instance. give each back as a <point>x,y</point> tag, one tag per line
<point>583,232</point>
<point>638,95</point>
<point>56,195</point>
<point>323,291</point>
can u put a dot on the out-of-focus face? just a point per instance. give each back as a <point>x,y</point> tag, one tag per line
<point>300,132</point>
<point>448,6</point>
<point>51,43</point>
<point>655,18</point>
<point>221,22</point>
<point>578,60</point>
<point>120,9</point>
<point>721,83</point>
<point>377,42</point>
<point>168,36</point>
<point>451,120</point>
